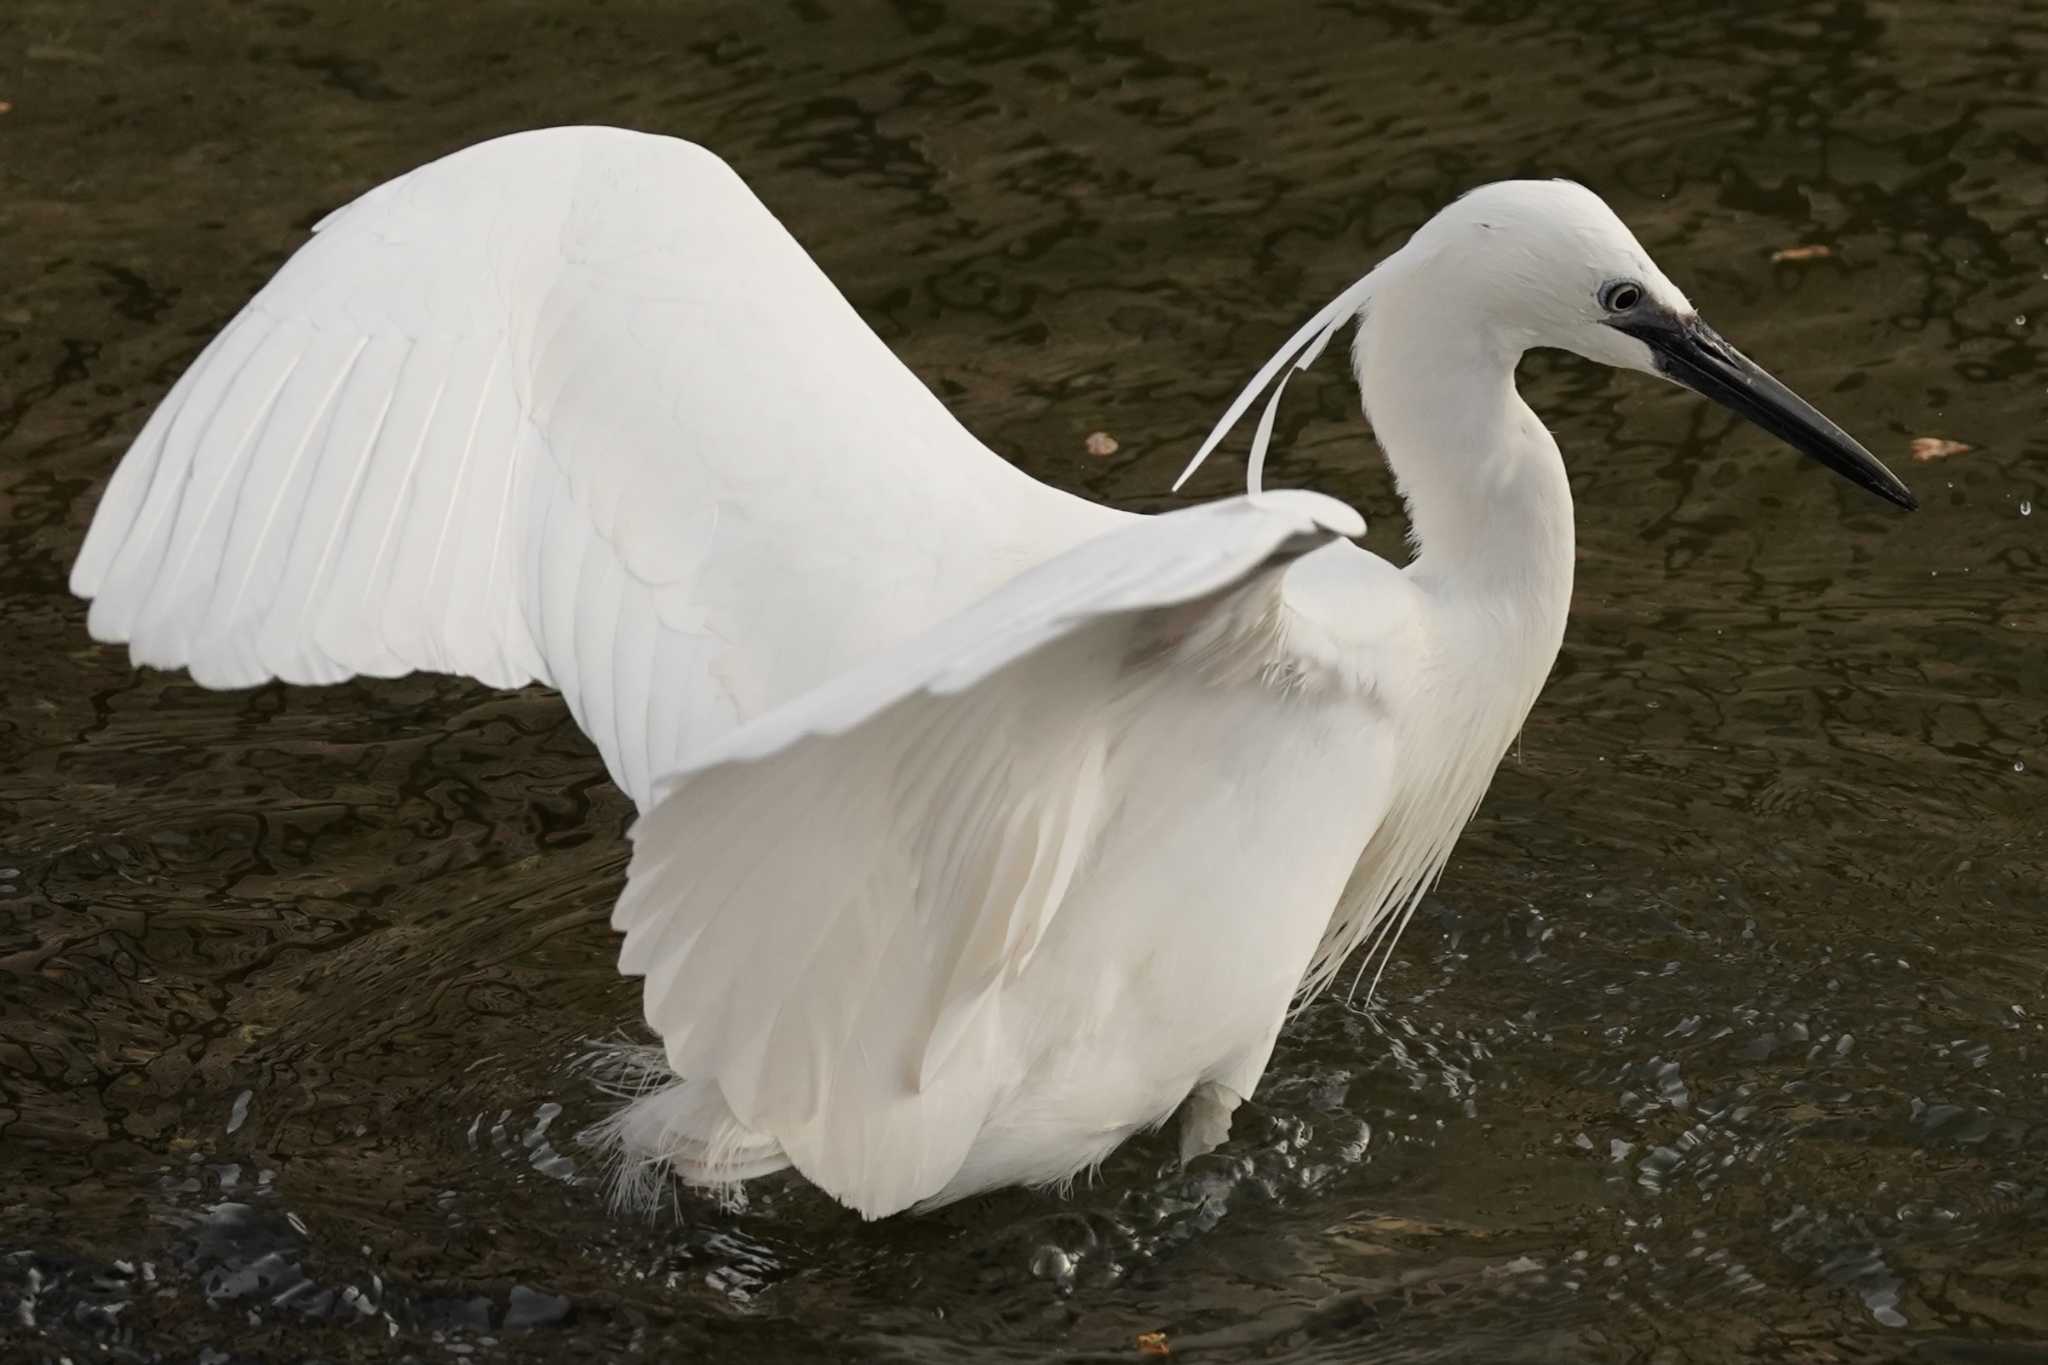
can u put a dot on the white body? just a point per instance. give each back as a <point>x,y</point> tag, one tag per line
<point>981,825</point>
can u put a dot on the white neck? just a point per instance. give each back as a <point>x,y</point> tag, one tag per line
<point>1489,508</point>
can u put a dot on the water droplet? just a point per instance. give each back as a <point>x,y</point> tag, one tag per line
<point>2026,508</point>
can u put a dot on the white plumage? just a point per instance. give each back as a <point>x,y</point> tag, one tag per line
<point>976,863</point>
<point>567,407</point>
<point>981,825</point>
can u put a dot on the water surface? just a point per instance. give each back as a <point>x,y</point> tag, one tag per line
<point>1723,1037</point>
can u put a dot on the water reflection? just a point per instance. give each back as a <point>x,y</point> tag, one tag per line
<point>1723,1038</point>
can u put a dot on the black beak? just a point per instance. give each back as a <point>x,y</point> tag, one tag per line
<point>1693,354</point>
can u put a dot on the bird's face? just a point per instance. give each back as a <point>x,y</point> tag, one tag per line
<point>1552,265</point>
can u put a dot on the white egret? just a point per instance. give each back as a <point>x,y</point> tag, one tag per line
<point>981,826</point>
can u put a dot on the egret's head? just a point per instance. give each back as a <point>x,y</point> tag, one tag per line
<point>1528,263</point>
<point>1540,263</point>
<point>1547,263</point>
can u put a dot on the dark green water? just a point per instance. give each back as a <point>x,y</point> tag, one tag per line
<point>1723,1037</point>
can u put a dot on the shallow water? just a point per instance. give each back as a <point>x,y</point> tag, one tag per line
<point>1723,1037</point>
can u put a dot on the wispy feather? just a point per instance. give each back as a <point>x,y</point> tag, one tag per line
<point>1301,350</point>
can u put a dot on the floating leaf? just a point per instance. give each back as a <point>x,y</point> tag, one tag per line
<point>1927,448</point>
<point>6,106</point>
<point>1100,444</point>
<point>1813,251</point>
<point>1153,1344</point>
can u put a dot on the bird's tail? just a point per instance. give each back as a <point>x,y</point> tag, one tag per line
<point>670,1124</point>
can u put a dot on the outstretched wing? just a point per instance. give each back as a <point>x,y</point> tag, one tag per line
<point>826,903</point>
<point>569,406</point>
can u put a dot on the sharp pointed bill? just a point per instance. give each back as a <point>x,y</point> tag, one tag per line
<point>1690,353</point>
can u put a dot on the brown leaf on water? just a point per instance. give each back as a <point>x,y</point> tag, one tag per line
<point>1813,251</point>
<point>1100,444</point>
<point>1926,448</point>
<point>6,106</point>
<point>1153,1344</point>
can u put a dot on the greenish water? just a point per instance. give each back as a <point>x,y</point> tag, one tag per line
<point>1723,1037</point>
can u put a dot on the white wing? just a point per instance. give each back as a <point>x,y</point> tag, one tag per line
<point>825,903</point>
<point>570,406</point>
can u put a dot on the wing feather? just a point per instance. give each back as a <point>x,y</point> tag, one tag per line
<point>418,535</point>
<point>455,579</point>
<point>351,628</point>
<point>632,670</point>
<point>130,534</point>
<point>192,561</point>
<point>598,593</point>
<point>289,642</point>
<point>269,507</point>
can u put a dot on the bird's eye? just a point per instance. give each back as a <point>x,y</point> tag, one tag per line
<point>1619,296</point>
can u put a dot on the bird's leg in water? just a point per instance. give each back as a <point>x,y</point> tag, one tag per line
<point>1205,1119</point>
